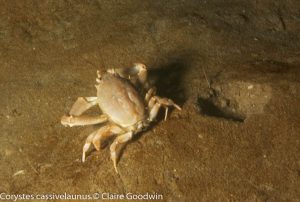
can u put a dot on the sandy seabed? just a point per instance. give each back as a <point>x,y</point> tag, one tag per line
<point>233,66</point>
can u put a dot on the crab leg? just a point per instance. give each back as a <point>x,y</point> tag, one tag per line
<point>151,92</point>
<point>79,107</point>
<point>156,102</point>
<point>105,132</point>
<point>119,140</point>
<point>166,112</point>
<point>97,136</point>
<point>82,104</point>
<point>82,120</point>
<point>87,144</point>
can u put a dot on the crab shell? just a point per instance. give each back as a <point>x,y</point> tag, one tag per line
<point>120,101</point>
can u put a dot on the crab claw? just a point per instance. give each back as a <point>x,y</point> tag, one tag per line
<point>141,70</point>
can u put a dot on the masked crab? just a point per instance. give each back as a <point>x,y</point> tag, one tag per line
<point>124,110</point>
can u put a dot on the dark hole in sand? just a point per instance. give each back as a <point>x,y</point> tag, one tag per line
<point>207,107</point>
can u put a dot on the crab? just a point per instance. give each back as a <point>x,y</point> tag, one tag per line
<point>125,110</point>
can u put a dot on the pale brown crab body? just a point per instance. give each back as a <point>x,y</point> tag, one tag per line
<point>124,110</point>
<point>119,100</point>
